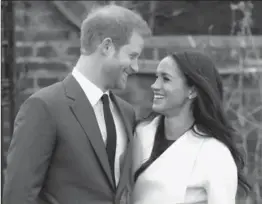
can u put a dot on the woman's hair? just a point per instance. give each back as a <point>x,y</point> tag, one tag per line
<point>208,112</point>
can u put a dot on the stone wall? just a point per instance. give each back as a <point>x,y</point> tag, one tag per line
<point>47,48</point>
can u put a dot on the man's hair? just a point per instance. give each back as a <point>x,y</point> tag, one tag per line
<point>111,21</point>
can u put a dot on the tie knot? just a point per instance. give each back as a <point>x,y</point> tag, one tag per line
<point>105,99</point>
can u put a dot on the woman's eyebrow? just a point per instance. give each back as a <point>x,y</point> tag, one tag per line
<point>164,74</point>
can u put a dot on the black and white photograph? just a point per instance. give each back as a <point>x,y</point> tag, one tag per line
<point>131,102</point>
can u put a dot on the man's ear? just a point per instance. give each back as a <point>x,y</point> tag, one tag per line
<point>107,47</point>
<point>192,93</point>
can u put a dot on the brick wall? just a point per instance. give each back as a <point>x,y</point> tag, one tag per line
<point>47,48</point>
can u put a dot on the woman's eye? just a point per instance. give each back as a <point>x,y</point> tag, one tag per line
<point>166,79</point>
<point>163,78</point>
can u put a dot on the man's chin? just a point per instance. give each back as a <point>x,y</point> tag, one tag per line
<point>122,84</point>
<point>120,87</point>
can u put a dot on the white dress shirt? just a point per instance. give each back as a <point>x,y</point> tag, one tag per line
<point>94,94</point>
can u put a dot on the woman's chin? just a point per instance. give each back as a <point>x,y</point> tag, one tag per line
<point>157,108</point>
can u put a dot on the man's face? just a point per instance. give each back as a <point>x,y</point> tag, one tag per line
<point>123,62</point>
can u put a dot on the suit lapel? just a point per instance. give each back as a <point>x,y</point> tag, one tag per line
<point>84,113</point>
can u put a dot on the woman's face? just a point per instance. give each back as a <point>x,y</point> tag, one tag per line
<point>171,93</point>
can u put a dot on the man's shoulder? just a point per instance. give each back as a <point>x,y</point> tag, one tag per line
<point>49,95</point>
<point>48,91</point>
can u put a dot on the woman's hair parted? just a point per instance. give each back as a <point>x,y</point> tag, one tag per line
<point>209,114</point>
<point>111,21</point>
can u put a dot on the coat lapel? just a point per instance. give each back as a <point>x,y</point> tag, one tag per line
<point>176,163</point>
<point>84,113</point>
<point>185,149</point>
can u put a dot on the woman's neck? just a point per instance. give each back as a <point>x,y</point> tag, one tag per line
<point>176,126</point>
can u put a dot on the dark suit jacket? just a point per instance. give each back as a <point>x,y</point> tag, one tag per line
<point>57,154</point>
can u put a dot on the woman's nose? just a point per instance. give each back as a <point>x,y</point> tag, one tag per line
<point>155,85</point>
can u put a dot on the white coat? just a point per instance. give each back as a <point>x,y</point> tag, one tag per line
<point>194,169</point>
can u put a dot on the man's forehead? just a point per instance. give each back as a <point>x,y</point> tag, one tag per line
<point>135,44</point>
<point>136,39</point>
<point>133,50</point>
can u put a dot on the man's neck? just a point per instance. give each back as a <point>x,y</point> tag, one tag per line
<point>90,68</point>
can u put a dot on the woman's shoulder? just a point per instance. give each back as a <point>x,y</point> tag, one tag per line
<point>211,144</point>
<point>216,154</point>
<point>218,164</point>
<point>214,145</point>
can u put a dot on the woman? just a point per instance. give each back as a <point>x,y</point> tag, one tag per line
<point>185,151</point>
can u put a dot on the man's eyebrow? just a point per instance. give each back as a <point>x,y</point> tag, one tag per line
<point>134,53</point>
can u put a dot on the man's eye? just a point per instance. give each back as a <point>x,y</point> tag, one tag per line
<point>133,56</point>
<point>166,79</point>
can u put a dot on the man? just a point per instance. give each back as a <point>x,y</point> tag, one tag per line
<point>72,140</point>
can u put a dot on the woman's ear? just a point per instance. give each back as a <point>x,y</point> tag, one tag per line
<point>192,93</point>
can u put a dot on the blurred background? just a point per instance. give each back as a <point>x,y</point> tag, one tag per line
<point>40,45</point>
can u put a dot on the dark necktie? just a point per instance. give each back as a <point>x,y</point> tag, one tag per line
<point>111,134</point>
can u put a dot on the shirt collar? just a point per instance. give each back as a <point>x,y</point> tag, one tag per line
<point>92,92</point>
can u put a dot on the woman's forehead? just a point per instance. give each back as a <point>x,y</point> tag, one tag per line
<point>168,66</point>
